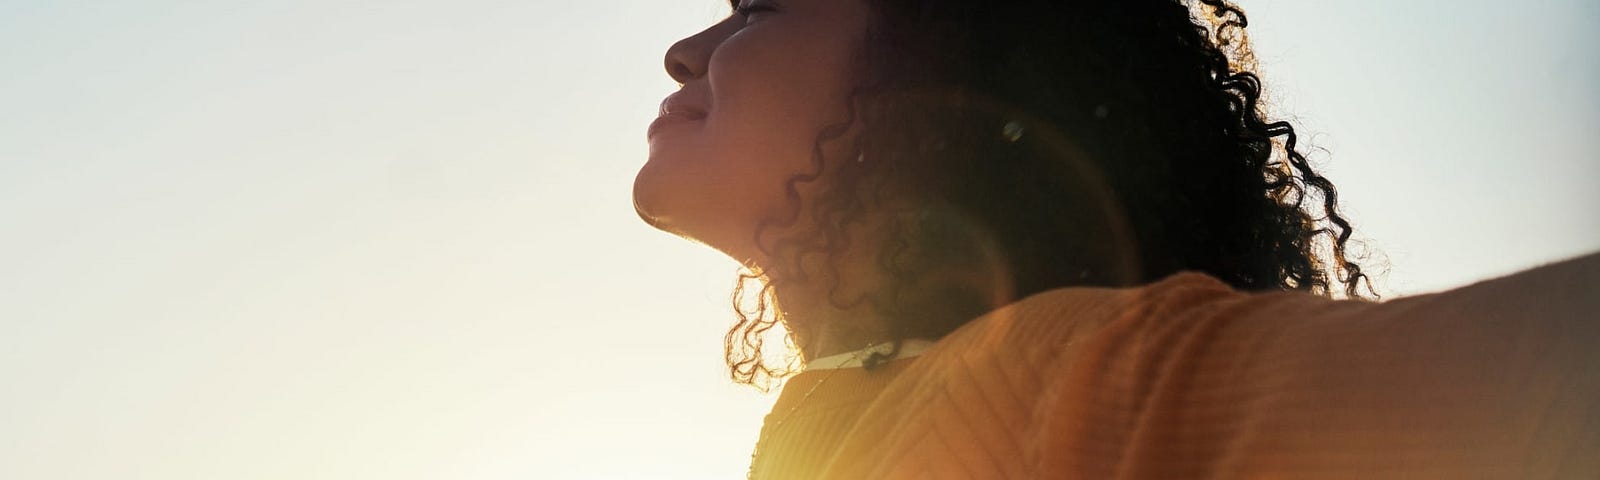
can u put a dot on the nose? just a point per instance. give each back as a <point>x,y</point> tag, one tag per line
<point>688,58</point>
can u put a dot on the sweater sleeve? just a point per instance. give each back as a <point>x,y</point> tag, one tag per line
<point>1499,379</point>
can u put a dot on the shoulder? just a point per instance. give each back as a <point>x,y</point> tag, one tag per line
<point>1040,325</point>
<point>990,385</point>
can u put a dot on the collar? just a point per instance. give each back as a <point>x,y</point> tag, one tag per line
<point>911,348</point>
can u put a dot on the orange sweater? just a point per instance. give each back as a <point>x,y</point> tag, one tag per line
<point>1186,378</point>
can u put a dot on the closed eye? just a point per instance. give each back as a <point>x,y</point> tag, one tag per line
<point>752,7</point>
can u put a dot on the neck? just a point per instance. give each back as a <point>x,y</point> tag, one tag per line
<point>822,328</point>
<point>831,313</point>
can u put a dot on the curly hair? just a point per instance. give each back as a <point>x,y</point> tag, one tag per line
<point>1074,143</point>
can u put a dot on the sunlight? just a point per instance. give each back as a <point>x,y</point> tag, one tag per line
<point>335,240</point>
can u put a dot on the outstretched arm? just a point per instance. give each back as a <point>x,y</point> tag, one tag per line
<point>1499,379</point>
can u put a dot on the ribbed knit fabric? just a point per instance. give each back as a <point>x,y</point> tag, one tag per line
<point>1188,379</point>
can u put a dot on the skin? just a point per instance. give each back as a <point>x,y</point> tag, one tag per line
<point>767,83</point>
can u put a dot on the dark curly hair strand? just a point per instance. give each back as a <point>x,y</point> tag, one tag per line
<point>1074,142</point>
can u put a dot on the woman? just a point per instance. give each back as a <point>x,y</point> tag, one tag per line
<point>1058,239</point>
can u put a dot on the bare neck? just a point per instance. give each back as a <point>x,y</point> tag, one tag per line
<point>823,327</point>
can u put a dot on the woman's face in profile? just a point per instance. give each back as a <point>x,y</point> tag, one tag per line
<point>756,90</point>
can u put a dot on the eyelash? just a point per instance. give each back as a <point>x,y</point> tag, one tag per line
<point>753,7</point>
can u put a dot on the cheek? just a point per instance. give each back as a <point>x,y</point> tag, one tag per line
<point>771,96</point>
<point>785,82</point>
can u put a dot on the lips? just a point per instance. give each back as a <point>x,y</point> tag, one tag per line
<point>677,105</point>
<point>675,109</point>
<point>663,122</point>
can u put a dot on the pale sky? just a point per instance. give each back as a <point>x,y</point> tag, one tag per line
<point>341,239</point>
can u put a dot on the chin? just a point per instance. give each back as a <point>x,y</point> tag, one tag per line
<point>647,199</point>
<point>663,202</point>
<point>665,206</point>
